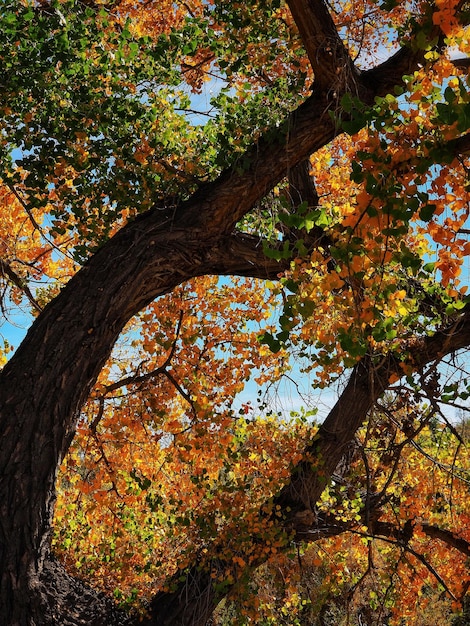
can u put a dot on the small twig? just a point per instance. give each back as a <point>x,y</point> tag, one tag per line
<point>35,223</point>
<point>98,416</point>
<point>184,394</point>
<point>8,272</point>
<point>406,548</point>
<point>161,369</point>
<point>431,569</point>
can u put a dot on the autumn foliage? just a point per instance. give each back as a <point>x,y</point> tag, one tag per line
<point>213,198</point>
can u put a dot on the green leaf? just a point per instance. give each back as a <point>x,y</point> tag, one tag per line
<point>268,339</point>
<point>347,103</point>
<point>426,213</point>
<point>355,125</point>
<point>133,48</point>
<point>450,95</point>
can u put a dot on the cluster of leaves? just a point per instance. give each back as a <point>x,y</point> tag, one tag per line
<point>164,460</point>
<point>394,203</point>
<point>94,136</point>
<point>358,574</point>
<point>132,504</point>
<point>98,136</point>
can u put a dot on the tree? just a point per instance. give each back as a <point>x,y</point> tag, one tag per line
<point>112,198</point>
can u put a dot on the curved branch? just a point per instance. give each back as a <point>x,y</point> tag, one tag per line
<point>328,56</point>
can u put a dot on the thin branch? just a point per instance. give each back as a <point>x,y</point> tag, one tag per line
<point>431,569</point>
<point>133,379</point>
<point>98,416</point>
<point>35,223</point>
<point>184,394</point>
<point>417,555</point>
<point>8,272</point>
<point>430,396</point>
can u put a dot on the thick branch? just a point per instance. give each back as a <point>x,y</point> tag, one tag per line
<point>241,254</point>
<point>301,185</point>
<point>329,526</point>
<point>461,64</point>
<point>461,145</point>
<point>447,537</point>
<point>218,206</point>
<point>369,379</point>
<point>405,534</point>
<point>330,61</point>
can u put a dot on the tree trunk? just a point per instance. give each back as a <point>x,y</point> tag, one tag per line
<point>47,381</point>
<point>49,378</point>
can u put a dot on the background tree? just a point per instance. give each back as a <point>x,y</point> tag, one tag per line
<point>341,178</point>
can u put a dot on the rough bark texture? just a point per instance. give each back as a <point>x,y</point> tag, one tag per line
<point>49,378</point>
<point>328,56</point>
<point>191,603</point>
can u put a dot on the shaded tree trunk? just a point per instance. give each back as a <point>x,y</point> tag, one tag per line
<point>47,381</point>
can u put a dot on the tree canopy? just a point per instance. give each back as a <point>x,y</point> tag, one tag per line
<point>197,195</point>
